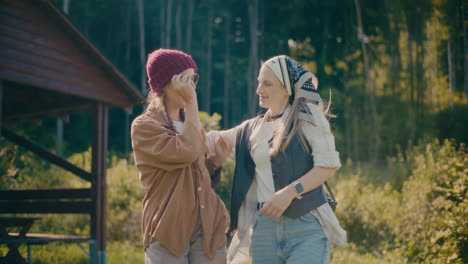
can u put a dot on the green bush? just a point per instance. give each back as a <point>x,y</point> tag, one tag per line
<point>124,252</point>
<point>124,202</point>
<point>434,206</point>
<point>57,253</point>
<point>121,252</point>
<point>424,222</point>
<point>351,255</point>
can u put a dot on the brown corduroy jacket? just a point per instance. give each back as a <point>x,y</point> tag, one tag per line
<point>173,171</point>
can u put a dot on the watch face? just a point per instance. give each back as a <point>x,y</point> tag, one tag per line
<point>299,188</point>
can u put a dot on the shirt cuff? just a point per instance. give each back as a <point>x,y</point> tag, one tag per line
<point>327,159</point>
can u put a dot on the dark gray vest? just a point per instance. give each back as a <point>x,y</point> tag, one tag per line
<point>287,167</point>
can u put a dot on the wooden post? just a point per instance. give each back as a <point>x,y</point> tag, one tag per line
<point>29,254</point>
<point>98,170</point>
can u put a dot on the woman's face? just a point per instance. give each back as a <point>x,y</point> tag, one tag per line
<point>270,90</point>
<point>172,97</point>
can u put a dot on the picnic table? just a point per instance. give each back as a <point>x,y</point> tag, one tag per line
<point>14,239</point>
<point>24,223</point>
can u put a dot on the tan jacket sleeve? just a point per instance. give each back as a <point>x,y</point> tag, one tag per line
<point>158,146</point>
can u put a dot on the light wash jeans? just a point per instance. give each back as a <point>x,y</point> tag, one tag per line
<point>289,241</point>
<point>194,253</point>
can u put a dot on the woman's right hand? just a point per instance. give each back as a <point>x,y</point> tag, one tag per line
<point>222,151</point>
<point>184,86</point>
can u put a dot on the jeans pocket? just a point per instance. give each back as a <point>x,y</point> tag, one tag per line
<point>309,217</point>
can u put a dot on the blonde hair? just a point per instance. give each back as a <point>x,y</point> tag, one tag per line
<point>285,131</point>
<point>155,101</point>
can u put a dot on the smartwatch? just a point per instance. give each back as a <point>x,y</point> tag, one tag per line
<point>299,189</point>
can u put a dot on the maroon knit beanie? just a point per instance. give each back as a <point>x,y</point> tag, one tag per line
<point>162,64</point>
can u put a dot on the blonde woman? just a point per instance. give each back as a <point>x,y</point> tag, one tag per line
<point>183,220</point>
<point>279,208</point>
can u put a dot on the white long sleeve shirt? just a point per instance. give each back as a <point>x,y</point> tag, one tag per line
<point>324,154</point>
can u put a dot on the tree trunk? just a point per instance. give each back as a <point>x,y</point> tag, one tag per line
<point>188,38</point>
<point>324,47</point>
<point>420,81</point>
<point>1,107</point>
<point>162,19</point>
<point>355,135</point>
<point>168,23</point>
<point>141,24</point>
<point>373,126</point>
<point>177,25</point>
<point>128,68</point>
<point>395,67</point>
<point>465,49</point>
<point>209,55</point>
<point>227,70</point>
<point>348,103</point>
<point>87,21</point>
<point>128,44</point>
<point>451,71</point>
<point>413,69</point>
<point>66,6</point>
<point>253,57</point>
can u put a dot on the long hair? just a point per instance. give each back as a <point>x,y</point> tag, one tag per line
<point>157,102</point>
<point>285,131</point>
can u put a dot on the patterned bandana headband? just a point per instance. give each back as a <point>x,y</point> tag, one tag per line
<point>296,79</point>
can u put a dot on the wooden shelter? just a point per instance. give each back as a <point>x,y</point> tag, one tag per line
<point>48,68</point>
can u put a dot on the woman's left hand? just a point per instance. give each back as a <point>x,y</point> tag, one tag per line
<point>276,206</point>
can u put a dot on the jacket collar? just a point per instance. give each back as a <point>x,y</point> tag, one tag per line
<point>160,117</point>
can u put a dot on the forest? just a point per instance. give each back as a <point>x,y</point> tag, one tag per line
<point>395,74</point>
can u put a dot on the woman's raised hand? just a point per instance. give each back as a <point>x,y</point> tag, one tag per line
<point>184,86</point>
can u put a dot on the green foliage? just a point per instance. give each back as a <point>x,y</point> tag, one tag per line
<point>351,255</point>
<point>210,122</point>
<point>12,162</point>
<point>124,252</point>
<point>418,92</point>
<point>121,252</point>
<point>433,218</point>
<point>425,222</point>
<point>124,202</point>
<point>367,212</point>
<point>56,253</point>
<point>224,189</point>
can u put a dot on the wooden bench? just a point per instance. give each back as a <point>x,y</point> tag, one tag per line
<point>35,239</point>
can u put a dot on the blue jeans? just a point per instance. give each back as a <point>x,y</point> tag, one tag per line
<point>289,241</point>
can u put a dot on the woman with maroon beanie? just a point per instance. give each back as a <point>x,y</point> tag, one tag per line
<point>183,220</point>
